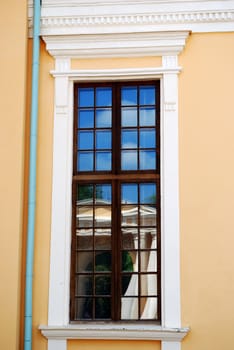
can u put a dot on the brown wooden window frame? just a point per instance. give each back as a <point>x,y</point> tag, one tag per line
<point>115,177</point>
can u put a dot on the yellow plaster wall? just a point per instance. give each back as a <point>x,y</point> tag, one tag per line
<point>13,41</point>
<point>207,190</point>
<point>206,128</point>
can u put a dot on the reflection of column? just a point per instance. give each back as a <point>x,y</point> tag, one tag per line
<point>129,306</point>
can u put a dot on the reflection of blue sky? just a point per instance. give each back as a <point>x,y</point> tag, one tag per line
<point>147,116</point>
<point>103,139</point>
<point>129,160</point>
<point>147,95</point>
<point>129,96</point>
<point>86,97</point>
<point>129,139</point>
<point>104,96</point>
<point>85,161</point>
<point>86,118</point>
<point>147,160</point>
<point>85,140</point>
<point>103,192</point>
<point>103,118</point>
<point>147,193</point>
<point>147,138</point>
<point>129,193</point>
<point>103,161</point>
<point>129,116</point>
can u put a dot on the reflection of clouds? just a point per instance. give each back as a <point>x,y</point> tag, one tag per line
<point>103,117</point>
<point>147,116</point>
<point>147,160</point>
<point>129,160</point>
<point>103,161</point>
<point>128,144</point>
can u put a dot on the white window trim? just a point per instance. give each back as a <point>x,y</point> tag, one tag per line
<point>58,329</point>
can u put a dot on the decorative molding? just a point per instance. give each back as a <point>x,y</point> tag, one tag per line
<point>118,332</point>
<point>116,45</point>
<point>93,16</point>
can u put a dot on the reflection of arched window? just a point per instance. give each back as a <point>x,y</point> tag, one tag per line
<point>116,197</point>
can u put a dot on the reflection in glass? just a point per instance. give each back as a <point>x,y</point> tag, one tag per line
<point>149,261</point>
<point>103,118</point>
<point>147,95</point>
<point>129,260</point>
<point>129,215</point>
<point>103,139</point>
<point>129,96</point>
<point>85,161</point>
<point>147,138</point>
<point>147,160</point>
<point>84,261</point>
<point>103,96</point>
<point>85,140</point>
<point>102,216</point>
<point>103,285</point>
<point>84,216</point>
<point>102,261</point>
<point>128,116</point>
<point>84,239</point>
<point>129,160</point>
<point>129,193</point>
<point>102,239</point>
<point>85,192</point>
<point>147,116</point>
<point>129,308</point>
<point>147,216</point>
<point>148,238</point>
<point>148,193</point>
<point>149,284</point>
<point>103,161</point>
<point>86,118</point>
<point>84,307</point>
<point>129,139</point>
<point>102,308</point>
<point>103,191</point>
<point>149,307</point>
<point>128,236</point>
<point>86,97</point>
<point>84,285</point>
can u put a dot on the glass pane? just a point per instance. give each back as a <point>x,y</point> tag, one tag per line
<point>102,216</point>
<point>147,216</point>
<point>129,308</point>
<point>84,216</point>
<point>103,192</point>
<point>129,96</point>
<point>84,240</point>
<point>84,285</point>
<point>103,139</point>
<point>149,261</point>
<point>149,308</point>
<point>149,284</point>
<point>148,238</point>
<point>84,307</point>
<point>85,161</point>
<point>102,239</point>
<point>86,119</point>
<point>84,261</point>
<point>148,193</point>
<point>85,192</point>
<point>147,160</point>
<point>103,118</point>
<point>129,261</point>
<point>85,140</point>
<point>103,161</point>
<point>147,138</point>
<point>129,236</point>
<point>102,261</point>
<point>129,160</point>
<point>86,97</point>
<point>104,96</point>
<point>129,139</point>
<point>129,215</point>
<point>102,308</point>
<point>147,95</point>
<point>102,285</point>
<point>129,285</point>
<point>147,116</point>
<point>128,116</point>
<point>129,193</point>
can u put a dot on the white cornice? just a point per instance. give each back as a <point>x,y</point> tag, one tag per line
<point>116,45</point>
<point>126,332</point>
<point>76,17</point>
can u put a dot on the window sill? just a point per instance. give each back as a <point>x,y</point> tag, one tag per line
<point>111,331</point>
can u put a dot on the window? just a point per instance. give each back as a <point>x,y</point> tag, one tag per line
<point>115,260</point>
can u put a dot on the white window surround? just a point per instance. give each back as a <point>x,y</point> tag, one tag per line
<point>58,330</point>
